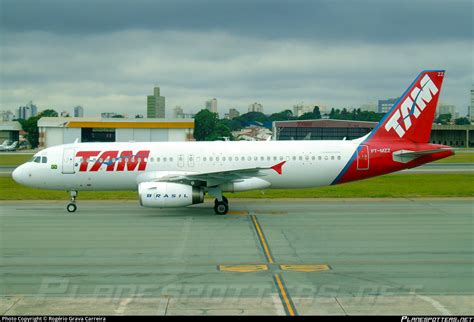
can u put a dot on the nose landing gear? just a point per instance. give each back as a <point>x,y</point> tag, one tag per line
<point>71,207</point>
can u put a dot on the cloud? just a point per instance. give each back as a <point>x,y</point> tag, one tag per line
<point>116,71</point>
<point>107,55</point>
<point>325,20</point>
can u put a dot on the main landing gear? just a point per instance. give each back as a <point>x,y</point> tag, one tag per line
<point>221,204</point>
<point>221,207</point>
<point>71,207</point>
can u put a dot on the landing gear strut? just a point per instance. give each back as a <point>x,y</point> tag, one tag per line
<point>71,207</point>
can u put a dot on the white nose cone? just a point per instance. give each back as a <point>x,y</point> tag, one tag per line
<point>16,175</point>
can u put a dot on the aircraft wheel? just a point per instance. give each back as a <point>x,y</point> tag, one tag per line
<point>221,208</point>
<point>71,207</point>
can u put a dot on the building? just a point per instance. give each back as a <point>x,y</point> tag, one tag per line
<point>108,115</point>
<point>252,133</point>
<point>301,109</point>
<point>7,116</point>
<point>178,112</point>
<point>10,131</point>
<point>446,109</point>
<point>211,105</point>
<point>457,136</point>
<point>321,129</point>
<point>64,114</point>
<point>155,105</point>
<point>233,113</point>
<point>471,108</point>
<point>58,130</point>
<point>27,111</point>
<point>78,111</point>
<point>384,105</point>
<point>256,107</point>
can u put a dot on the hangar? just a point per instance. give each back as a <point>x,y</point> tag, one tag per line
<point>10,131</point>
<point>62,130</point>
<point>460,136</point>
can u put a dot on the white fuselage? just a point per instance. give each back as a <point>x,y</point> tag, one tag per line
<point>308,163</point>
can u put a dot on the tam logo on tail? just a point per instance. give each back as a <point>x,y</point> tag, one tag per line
<point>413,105</point>
<point>412,116</point>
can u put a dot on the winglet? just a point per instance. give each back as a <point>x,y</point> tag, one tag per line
<point>277,167</point>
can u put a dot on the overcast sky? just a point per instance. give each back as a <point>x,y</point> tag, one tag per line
<point>108,55</point>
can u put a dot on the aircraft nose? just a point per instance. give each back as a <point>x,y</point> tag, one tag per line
<point>17,174</point>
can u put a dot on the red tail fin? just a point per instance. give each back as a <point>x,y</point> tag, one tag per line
<point>411,117</point>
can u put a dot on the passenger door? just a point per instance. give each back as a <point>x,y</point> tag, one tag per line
<point>68,161</point>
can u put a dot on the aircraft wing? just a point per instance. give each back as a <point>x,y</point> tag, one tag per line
<point>211,178</point>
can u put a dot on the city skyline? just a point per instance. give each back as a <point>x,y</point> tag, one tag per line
<point>243,57</point>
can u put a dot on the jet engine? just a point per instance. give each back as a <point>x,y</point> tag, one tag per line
<point>168,194</point>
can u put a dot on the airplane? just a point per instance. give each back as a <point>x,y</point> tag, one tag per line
<point>179,174</point>
<point>11,147</point>
<point>4,144</point>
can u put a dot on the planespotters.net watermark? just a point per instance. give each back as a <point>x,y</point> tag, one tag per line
<point>437,319</point>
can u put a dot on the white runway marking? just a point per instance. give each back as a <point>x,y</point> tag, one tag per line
<point>435,304</point>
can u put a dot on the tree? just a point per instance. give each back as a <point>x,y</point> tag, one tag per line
<point>204,124</point>
<point>443,119</point>
<point>31,126</point>
<point>49,113</point>
<point>306,116</point>
<point>221,132</point>
<point>316,112</point>
<point>462,121</point>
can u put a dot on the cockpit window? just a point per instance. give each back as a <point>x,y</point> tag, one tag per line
<point>44,159</point>
<point>37,159</point>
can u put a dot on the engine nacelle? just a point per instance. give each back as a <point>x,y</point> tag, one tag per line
<point>168,194</point>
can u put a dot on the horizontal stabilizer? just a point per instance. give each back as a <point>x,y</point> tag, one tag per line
<point>405,156</point>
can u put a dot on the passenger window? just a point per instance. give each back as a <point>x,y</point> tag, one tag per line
<point>339,157</point>
<point>262,159</point>
<point>332,157</point>
<point>313,158</point>
<point>217,158</point>
<point>300,158</point>
<point>269,158</point>
<point>306,157</point>
<point>157,159</point>
<point>204,159</point>
<point>164,159</point>
<point>242,158</point>
<point>223,158</point>
<point>319,158</point>
<point>255,158</point>
<point>171,159</point>
<point>211,158</point>
<point>274,158</point>
<point>294,158</point>
<point>249,158</point>
<point>44,160</point>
